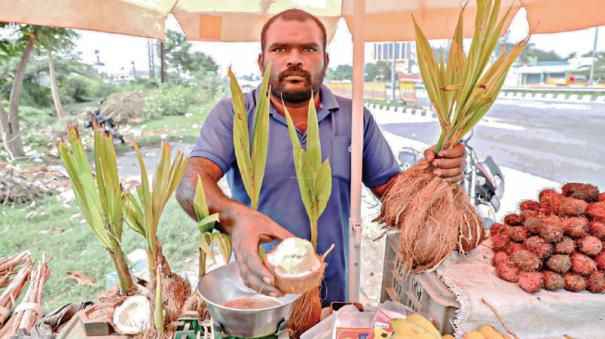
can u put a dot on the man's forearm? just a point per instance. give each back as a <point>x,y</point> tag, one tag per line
<point>218,202</point>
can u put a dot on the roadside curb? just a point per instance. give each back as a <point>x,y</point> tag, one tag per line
<point>405,110</point>
<point>554,96</point>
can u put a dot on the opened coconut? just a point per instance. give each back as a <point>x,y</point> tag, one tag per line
<point>295,265</point>
<point>132,316</point>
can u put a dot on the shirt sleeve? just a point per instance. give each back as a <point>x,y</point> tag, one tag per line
<point>379,163</point>
<point>215,142</point>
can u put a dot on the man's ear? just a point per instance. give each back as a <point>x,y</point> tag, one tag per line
<point>327,59</point>
<point>261,63</point>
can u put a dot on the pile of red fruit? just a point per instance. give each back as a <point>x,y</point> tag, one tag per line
<point>554,243</point>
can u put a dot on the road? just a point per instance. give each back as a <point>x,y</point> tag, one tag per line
<point>558,141</point>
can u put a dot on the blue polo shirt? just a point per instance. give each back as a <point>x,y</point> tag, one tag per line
<point>280,195</point>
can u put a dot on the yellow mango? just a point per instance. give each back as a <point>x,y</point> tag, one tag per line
<point>404,329</point>
<point>424,323</point>
<point>490,332</point>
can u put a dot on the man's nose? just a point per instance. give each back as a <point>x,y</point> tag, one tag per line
<point>294,58</point>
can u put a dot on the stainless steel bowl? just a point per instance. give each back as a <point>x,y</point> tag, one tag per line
<point>224,284</point>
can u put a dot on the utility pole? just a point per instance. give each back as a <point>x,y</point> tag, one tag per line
<point>594,56</point>
<point>393,99</point>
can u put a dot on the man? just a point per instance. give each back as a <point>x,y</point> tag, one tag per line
<point>294,42</point>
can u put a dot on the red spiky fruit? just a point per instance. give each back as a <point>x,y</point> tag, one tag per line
<point>531,282</point>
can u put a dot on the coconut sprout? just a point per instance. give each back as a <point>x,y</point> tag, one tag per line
<point>143,213</point>
<point>251,158</point>
<point>101,201</point>
<point>315,182</point>
<point>434,216</point>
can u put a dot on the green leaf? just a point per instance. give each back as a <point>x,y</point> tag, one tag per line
<point>207,223</point>
<point>260,137</point>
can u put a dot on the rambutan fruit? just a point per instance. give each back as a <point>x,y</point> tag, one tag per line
<point>600,260</point>
<point>586,192</point>
<point>499,258</point>
<point>531,282</point>
<point>582,264</point>
<point>514,247</point>
<point>565,246</point>
<point>571,207</point>
<point>550,231</point>
<point>529,205</point>
<point>539,246</point>
<point>527,261</point>
<point>550,201</point>
<point>528,214</point>
<point>597,229</point>
<point>576,227</point>
<point>533,224</point>
<point>498,229</point>
<point>518,233</point>
<point>596,282</point>
<point>508,271</point>
<point>499,242</point>
<point>596,211</point>
<point>553,281</point>
<point>589,245</point>
<point>602,196</point>
<point>574,282</point>
<point>512,219</point>
<point>560,263</point>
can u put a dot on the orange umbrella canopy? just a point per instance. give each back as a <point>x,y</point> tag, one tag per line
<point>241,20</point>
<point>144,18</point>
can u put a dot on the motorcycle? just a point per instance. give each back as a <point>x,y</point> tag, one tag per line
<point>106,123</point>
<point>483,180</point>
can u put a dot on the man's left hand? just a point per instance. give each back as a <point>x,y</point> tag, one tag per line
<point>448,164</point>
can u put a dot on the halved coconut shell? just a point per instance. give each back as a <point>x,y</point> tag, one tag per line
<point>299,282</point>
<point>132,316</point>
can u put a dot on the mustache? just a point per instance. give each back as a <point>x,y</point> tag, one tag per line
<point>295,71</point>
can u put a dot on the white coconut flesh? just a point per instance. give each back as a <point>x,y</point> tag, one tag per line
<point>294,257</point>
<point>132,316</point>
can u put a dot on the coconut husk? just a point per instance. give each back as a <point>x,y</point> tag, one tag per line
<point>12,292</point>
<point>434,218</point>
<point>175,292</point>
<point>195,304</point>
<point>306,313</point>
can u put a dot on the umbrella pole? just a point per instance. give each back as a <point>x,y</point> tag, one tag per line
<point>356,152</point>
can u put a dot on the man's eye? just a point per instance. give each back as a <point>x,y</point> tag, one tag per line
<point>279,50</point>
<point>311,49</point>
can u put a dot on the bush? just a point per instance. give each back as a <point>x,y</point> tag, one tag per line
<point>172,100</point>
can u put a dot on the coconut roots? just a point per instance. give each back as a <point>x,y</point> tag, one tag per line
<point>434,218</point>
<point>306,313</point>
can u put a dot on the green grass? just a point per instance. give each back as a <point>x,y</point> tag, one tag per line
<point>171,128</point>
<point>57,230</point>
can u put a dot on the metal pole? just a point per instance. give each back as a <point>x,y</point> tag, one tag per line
<point>594,56</point>
<point>356,153</point>
<point>393,99</point>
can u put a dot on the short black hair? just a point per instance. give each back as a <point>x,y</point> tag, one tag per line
<point>292,15</point>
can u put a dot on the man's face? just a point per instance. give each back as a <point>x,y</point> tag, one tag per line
<point>298,60</point>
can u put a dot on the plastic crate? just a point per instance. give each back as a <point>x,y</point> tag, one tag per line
<point>423,292</point>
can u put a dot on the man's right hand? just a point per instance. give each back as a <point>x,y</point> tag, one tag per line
<point>249,230</point>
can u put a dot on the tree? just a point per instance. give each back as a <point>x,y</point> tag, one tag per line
<point>380,70</point>
<point>182,61</point>
<point>20,42</point>
<point>342,72</point>
<point>532,55</point>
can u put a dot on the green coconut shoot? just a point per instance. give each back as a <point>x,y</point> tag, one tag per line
<point>251,158</point>
<point>208,236</point>
<point>314,176</point>
<point>143,213</point>
<point>100,197</point>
